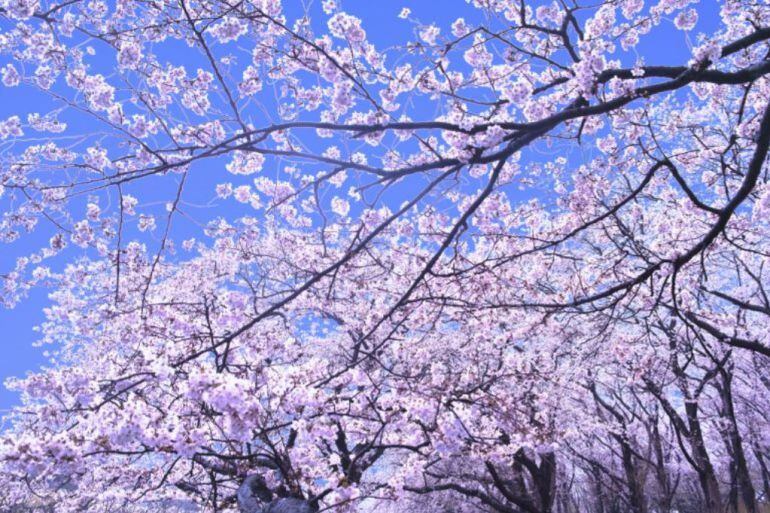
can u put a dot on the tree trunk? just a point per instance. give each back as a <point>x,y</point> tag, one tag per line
<point>743,485</point>
<point>666,494</point>
<point>706,476</point>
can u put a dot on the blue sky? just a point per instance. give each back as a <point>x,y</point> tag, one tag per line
<point>380,19</point>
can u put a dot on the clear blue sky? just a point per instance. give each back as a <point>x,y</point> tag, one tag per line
<point>17,335</point>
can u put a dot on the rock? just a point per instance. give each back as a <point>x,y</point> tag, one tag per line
<point>289,505</point>
<point>255,497</point>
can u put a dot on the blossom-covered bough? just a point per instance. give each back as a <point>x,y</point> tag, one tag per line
<point>504,262</point>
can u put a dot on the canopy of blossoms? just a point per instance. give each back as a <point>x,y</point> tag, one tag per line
<point>507,262</point>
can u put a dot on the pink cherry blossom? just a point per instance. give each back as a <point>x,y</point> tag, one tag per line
<point>505,257</point>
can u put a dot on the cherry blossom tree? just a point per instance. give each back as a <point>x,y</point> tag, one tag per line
<point>508,264</point>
